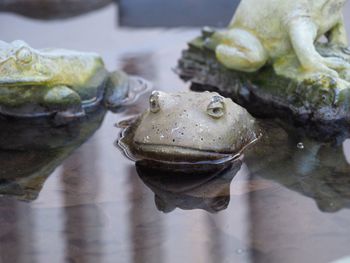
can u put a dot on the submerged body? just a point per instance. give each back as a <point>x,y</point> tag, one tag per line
<point>36,83</point>
<point>190,126</point>
<point>274,31</point>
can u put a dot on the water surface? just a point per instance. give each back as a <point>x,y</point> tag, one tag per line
<point>282,204</point>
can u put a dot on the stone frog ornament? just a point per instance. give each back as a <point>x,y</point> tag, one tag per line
<point>189,127</point>
<point>284,33</point>
<point>273,62</point>
<point>60,83</point>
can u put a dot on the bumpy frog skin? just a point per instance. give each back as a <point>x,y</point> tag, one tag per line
<point>190,126</point>
<point>54,81</point>
<point>283,33</point>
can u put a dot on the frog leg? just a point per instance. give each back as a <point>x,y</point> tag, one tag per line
<point>337,35</point>
<point>65,101</point>
<point>241,50</point>
<point>124,90</point>
<point>303,34</point>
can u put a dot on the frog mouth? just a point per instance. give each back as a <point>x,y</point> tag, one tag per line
<point>175,152</point>
<point>189,154</point>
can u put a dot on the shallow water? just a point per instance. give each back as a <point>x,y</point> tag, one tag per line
<point>284,204</point>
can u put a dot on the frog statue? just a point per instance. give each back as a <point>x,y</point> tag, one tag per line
<point>60,83</point>
<point>189,127</point>
<point>270,31</point>
<point>285,59</point>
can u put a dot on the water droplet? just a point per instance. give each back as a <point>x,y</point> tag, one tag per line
<point>300,145</point>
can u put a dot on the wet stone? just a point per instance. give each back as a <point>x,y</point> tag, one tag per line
<point>320,105</point>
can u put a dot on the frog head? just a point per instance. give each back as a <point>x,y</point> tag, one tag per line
<point>21,65</point>
<point>191,126</point>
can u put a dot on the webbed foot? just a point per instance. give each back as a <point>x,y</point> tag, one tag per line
<point>65,102</point>
<point>336,63</point>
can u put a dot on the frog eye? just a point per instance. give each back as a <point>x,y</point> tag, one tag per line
<point>154,102</point>
<point>24,55</point>
<point>216,108</point>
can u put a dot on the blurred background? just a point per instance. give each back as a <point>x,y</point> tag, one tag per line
<point>95,208</point>
<point>135,13</point>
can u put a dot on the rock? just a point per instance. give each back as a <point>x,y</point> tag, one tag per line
<point>319,105</point>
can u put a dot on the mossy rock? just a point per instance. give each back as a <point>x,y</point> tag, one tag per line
<point>318,105</point>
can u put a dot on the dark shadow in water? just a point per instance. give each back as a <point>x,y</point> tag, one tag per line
<point>187,189</point>
<point>38,133</point>
<point>30,155</point>
<point>285,226</point>
<point>317,170</point>
<point>83,223</point>
<point>16,234</point>
<point>52,9</point>
<point>145,224</point>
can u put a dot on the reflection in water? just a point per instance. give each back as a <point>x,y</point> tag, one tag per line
<point>318,170</point>
<point>16,237</point>
<point>268,217</point>
<point>83,223</point>
<point>286,226</point>
<point>23,173</point>
<point>144,225</point>
<point>37,134</point>
<point>189,189</point>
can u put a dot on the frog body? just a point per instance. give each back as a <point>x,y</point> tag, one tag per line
<point>190,127</point>
<point>282,32</point>
<point>56,82</point>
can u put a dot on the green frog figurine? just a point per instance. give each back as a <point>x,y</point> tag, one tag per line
<point>60,83</point>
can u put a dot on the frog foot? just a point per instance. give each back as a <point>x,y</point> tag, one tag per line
<point>124,90</point>
<point>331,66</point>
<point>65,102</point>
<point>336,63</point>
<point>322,88</point>
<point>345,74</point>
